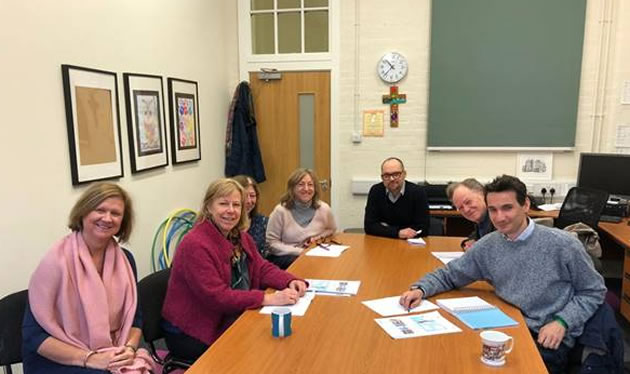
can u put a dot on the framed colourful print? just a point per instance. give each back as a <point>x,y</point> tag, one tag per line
<point>146,129</point>
<point>184,112</point>
<point>93,122</point>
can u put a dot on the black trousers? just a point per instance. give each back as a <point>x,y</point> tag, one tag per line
<point>283,262</point>
<point>184,347</point>
<point>556,360</point>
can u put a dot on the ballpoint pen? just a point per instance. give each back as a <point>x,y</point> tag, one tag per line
<point>322,245</point>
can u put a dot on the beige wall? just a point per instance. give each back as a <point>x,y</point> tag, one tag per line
<point>188,39</point>
<point>196,39</point>
<point>404,26</point>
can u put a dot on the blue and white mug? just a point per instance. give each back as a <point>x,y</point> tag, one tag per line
<point>281,322</point>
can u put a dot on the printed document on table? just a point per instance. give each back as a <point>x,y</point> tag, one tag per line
<point>298,309</point>
<point>431,323</point>
<point>390,306</point>
<point>447,257</point>
<point>327,250</point>
<point>333,287</point>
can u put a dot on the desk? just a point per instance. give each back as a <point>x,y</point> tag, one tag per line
<point>456,225</point>
<point>620,232</point>
<point>338,334</point>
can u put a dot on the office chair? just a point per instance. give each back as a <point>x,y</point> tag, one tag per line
<point>151,294</point>
<point>11,315</point>
<point>581,205</point>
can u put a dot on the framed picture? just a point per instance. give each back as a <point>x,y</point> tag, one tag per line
<point>534,166</point>
<point>92,116</point>
<point>183,106</point>
<point>146,129</point>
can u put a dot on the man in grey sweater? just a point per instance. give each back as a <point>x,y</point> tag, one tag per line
<point>544,272</point>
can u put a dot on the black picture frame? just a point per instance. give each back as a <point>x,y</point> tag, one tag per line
<point>93,123</point>
<point>146,122</point>
<point>184,116</point>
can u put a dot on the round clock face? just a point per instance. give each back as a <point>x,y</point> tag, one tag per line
<point>392,67</point>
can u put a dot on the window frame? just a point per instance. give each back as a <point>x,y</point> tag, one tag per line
<point>245,34</point>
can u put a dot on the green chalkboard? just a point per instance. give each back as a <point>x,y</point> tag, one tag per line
<point>505,73</point>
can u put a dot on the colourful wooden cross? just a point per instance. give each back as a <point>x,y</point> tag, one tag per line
<point>393,99</point>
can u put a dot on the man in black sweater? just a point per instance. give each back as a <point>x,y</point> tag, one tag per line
<point>395,207</point>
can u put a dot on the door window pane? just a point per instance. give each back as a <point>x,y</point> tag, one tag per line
<point>292,4</point>
<point>262,4</point>
<point>316,31</point>
<point>315,3</point>
<point>306,108</point>
<point>289,35</point>
<point>262,33</point>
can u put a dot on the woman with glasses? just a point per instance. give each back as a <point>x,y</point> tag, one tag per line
<point>217,274</point>
<point>300,219</point>
<point>257,222</point>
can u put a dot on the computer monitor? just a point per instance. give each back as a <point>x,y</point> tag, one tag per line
<point>609,172</point>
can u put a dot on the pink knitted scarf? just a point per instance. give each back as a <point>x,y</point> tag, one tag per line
<point>75,305</point>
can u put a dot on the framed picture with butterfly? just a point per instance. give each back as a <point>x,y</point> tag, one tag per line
<point>146,128</point>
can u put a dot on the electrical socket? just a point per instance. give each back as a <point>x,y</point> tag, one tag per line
<point>561,190</point>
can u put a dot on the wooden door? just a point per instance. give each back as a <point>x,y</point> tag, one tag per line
<point>281,105</point>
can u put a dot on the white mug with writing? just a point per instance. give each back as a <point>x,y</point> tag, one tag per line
<point>494,346</point>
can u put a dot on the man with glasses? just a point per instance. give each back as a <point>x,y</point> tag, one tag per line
<point>396,208</point>
<point>467,197</point>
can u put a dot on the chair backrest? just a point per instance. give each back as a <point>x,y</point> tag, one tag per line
<point>151,293</point>
<point>582,205</point>
<point>11,315</point>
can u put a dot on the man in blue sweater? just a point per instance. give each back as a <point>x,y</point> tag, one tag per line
<point>544,272</point>
<point>395,207</point>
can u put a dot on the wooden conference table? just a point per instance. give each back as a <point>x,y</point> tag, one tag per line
<point>620,233</point>
<point>339,335</point>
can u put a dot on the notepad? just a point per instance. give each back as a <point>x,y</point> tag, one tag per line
<point>476,313</point>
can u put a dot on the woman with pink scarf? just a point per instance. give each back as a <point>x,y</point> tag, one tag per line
<point>82,315</point>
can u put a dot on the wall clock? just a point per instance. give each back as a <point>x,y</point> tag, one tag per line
<point>392,67</point>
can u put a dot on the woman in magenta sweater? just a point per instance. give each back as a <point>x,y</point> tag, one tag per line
<point>217,274</point>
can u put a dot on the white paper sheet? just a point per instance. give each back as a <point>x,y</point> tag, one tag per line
<point>327,250</point>
<point>447,257</point>
<point>298,309</point>
<point>390,306</point>
<point>333,287</point>
<point>431,323</point>
<point>416,241</point>
<point>550,207</point>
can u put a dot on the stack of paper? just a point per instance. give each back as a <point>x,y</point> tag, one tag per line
<point>476,313</point>
<point>447,257</point>
<point>333,287</point>
<point>390,306</point>
<point>417,325</point>
<point>327,250</point>
<point>297,309</point>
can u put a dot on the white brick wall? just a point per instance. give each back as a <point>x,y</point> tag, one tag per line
<point>403,26</point>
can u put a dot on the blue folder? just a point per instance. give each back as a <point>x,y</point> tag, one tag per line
<point>485,318</point>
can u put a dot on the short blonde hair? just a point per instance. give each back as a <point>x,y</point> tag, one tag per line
<point>288,199</point>
<point>93,197</point>
<point>221,188</point>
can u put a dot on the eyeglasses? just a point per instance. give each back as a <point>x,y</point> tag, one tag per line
<point>391,176</point>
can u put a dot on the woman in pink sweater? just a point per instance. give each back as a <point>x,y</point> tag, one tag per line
<point>217,274</point>
<point>299,220</point>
